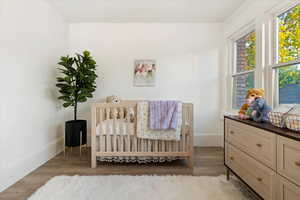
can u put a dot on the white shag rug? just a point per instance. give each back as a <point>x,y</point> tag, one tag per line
<point>139,188</point>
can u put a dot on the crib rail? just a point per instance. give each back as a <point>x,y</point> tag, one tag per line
<point>130,145</point>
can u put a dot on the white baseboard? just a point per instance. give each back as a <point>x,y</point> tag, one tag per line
<point>15,172</point>
<point>208,140</point>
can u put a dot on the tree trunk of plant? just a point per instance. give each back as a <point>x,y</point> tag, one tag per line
<point>75,100</point>
<point>75,111</point>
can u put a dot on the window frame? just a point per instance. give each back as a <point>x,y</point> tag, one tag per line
<point>264,25</point>
<point>232,55</point>
<point>273,63</point>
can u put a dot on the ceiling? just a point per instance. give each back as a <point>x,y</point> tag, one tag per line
<point>146,10</point>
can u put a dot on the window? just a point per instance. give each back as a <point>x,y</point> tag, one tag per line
<point>244,66</point>
<point>287,61</point>
<point>268,57</point>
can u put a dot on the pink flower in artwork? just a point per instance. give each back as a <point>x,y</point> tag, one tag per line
<point>138,69</point>
<point>153,67</point>
<point>144,69</point>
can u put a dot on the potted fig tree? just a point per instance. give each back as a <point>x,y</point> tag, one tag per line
<point>76,84</point>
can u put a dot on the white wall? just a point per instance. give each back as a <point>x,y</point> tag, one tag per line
<point>187,56</point>
<point>32,37</point>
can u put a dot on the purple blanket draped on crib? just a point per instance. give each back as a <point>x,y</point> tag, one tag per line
<point>163,115</point>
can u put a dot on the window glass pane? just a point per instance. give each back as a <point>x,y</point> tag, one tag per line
<point>245,52</point>
<point>241,84</point>
<point>289,35</point>
<point>289,84</point>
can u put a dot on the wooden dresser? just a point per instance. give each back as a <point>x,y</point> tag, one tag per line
<point>264,157</point>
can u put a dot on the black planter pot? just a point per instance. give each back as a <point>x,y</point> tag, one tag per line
<point>72,132</point>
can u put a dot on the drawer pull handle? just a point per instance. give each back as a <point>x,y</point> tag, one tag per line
<point>231,132</point>
<point>231,158</point>
<point>259,179</point>
<point>259,145</point>
<point>297,163</point>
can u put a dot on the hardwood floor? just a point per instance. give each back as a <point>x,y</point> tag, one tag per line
<point>208,162</point>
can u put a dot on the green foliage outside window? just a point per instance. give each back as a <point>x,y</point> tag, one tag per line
<point>289,46</point>
<point>250,58</point>
<point>250,51</point>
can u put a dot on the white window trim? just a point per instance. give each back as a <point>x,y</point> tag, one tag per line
<point>231,40</point>
<point>278,65</point>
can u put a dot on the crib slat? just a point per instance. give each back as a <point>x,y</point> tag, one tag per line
<point>159,146</point>
<point>166,146</point>
<point>104,143</point>
<point>172,146</point>
<point>118,143</point>
<point>187,140</point>
<point>135,144</point>
<point>149,146</point>
<point>107,113</point>
<point>141,143</point>
<point>163,146</point>
<point>99,142</point>
<point>114,138</point>
<point>97,116</point>
<point>125,143</point>
<point>146,145</point>
<point>116,133</point>
<point>122,143</point>
<point>128,143</point>
<point>183,141</point>
<point>109,145</point>
<point>176,146</point>
<point>100,115</point>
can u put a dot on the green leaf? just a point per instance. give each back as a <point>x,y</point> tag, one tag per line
<point>67,104</point>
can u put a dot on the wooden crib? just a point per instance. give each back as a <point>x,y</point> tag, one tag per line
<point>119,145</point>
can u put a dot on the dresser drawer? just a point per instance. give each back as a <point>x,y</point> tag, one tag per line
<point>256,142</point>
<point>287,190</point>
<point>259,177</point>
<point>289,159</point>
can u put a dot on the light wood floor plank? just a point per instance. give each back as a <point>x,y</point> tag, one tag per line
<point>208,161</point>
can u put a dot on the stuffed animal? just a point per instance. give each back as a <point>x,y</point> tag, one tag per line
<point>250,97</point>
<point>260,110</point>
<point>249,110</point>
<point>113,99</point>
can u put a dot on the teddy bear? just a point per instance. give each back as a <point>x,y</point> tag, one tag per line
<point>113,99</point>
<point>252,94</point>
<point>259,110</point>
